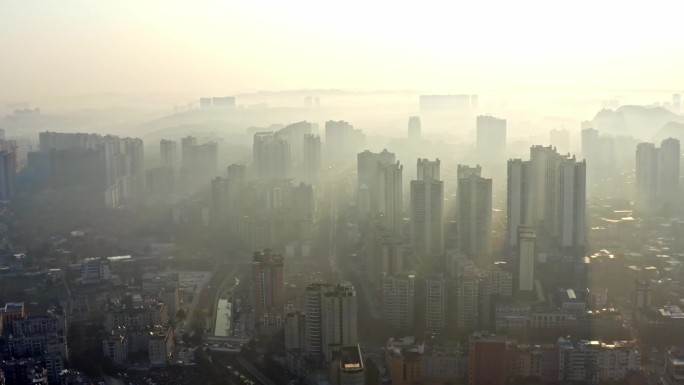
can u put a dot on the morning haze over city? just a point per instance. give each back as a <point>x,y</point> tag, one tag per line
<point>356,193</point>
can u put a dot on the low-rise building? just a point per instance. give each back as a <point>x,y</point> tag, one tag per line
<point>115,346</point>
<point>347,367</point>
<point>160,345</point>
<point>674,367</point>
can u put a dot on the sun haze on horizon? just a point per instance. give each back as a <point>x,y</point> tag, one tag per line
<point>78,47</point>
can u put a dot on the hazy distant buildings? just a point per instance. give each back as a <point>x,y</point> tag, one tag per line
<point>108,166</point>
<point>187,144</point>
<point>8,169</point>
<point>294,134</point>
<point>370,183</point>
<point>648,194</point>
<point>379,187</point>
<point>220,196</point>
<point>657,177</point>
<point>474,212</point>
<point>548,193</point>
<point>160,182</point>
<point>391,196</point>
<point>600,152</point>
<point>414,129</point>
<point>676,103</point>
<point>237,172</point>
<point>671,153</point>
<point>590,145</point>
<point>268,289</point>
<point>560,138</point>
<point>491,136</point>
<point>200,162</point>
<point>169,154</point>
<point>217,102</point>
<point>312,158</point>
<point>271,156</point>
<point>427,210</point>
<point>343,141</point>
<point>447,103</point>
<point>384,251</point>
<point>227,193</point>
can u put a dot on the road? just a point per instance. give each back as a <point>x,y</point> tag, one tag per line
<point>228,285</point>
<point>254,372</point>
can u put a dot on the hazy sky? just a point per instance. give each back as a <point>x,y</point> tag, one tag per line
<point>69,47</point>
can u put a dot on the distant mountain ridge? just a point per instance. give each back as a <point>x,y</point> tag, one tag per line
<point>641,122</point>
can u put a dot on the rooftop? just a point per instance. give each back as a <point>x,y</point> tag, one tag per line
<point>350,358</point>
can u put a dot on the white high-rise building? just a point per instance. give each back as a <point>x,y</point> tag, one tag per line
<point>569,225</point>
<point>398,295</point>
<point>467,300</point>
<point>312,158</point>
<point>339,318</point>
<point>474,212</point>
<point>169,154</point>
<point>314,318</point>
<point>435,302</point>
<point>491,135</point>
<point>187,145</point>
<point>390,196</point>
<point>648,194</point>
<point>427,210</point>
<point>414,129</point>
<point>392,255</point>
<point>370,180</point>
<point>519,210</point>
<point>8,169</point>
<point>331,318</point>
<point>657,177</point>
<point>549,193</point>
<point>544,163</point>
<point>526,239</point>
<point>671,154</point>
<point>271,156</point>
<point>295,331</point>
<point>494,283</point>
<point>342,142</point>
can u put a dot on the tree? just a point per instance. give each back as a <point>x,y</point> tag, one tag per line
<point>180,314</point>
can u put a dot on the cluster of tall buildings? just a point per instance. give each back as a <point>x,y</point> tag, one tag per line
<point>343,141</point>
<point>38,341</point>
<point>427,211</point>
<point>380,188</point>
<point>548,193</point>
<point>110,167</point>
<point>217,102</point>
<point>474,212</point>
<point>657,177</point>
<point>321,340</point>
<point>138,326</point>
<point>494,359</point>
<point>199,162</point>
<point>459,298</point>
